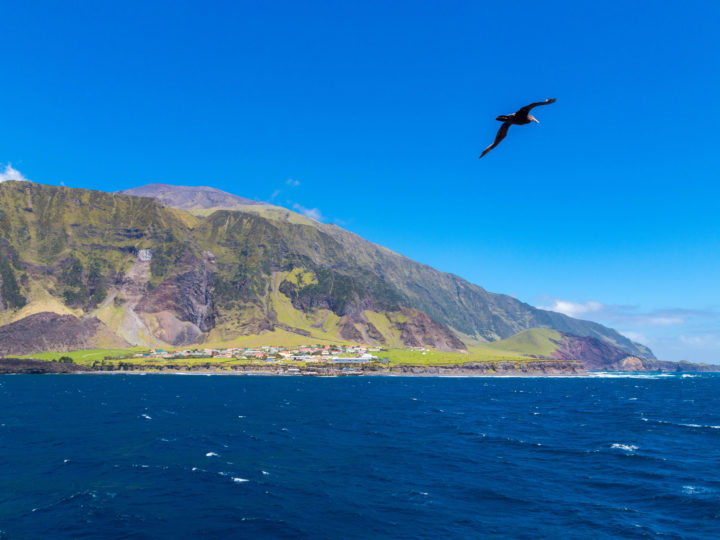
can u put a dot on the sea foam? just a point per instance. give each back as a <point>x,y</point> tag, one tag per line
<point>627,447</point>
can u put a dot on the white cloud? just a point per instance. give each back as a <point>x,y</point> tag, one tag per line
<point>701,340</point>
<point>312,213</point>
<point>573,309</point>
<point>11,173</point>
<point>626,315</point>
<point>658,320</point>
<point>292,183</point>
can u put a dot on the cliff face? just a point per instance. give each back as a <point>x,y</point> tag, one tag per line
<point>595,354</point>
<point>155,275</point>
<point>420,330</point>
<point>186,297</point>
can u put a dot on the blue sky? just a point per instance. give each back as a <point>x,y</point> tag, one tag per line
<point>371,115</point>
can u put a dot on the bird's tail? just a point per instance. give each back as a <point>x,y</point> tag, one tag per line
<point>502,118</point>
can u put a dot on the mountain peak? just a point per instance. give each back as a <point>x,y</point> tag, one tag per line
<point>190,197</point>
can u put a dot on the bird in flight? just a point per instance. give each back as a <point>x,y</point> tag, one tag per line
<point>519,118</point>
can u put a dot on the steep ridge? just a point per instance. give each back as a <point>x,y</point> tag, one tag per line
<point>157,275</point>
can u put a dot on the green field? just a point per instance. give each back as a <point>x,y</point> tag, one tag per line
<point>88,356</point>
<point>525,346</point>
<point>115,357</point>
<point>432,357</point>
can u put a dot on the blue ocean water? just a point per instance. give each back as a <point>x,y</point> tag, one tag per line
<point>168,456</point>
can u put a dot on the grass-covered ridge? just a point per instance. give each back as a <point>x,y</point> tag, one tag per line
<point>534,341</point>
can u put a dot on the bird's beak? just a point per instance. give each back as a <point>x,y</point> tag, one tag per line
<point>536,120</point>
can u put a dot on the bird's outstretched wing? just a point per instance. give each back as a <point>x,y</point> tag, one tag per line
<point>499,137</point>
<point>527,108</point>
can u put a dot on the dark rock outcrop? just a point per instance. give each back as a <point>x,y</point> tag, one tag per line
<point>293,330</point>
<point>18,366</point>
<point>374,334</point>
<point>420,330</point>
<point>350,332</point>
<point>596,355</point>
<point>52,332</point>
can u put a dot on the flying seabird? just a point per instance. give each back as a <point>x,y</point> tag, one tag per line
<point>519,118</point>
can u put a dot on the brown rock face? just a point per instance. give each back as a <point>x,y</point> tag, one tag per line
<point>597,355</point>
<point>184,303</point>
<point>420,330</point>
<point>256,325</point>
<point>631,363</point>
<point>374,334</point>
<point>350,332</point>
<point>52,332</point>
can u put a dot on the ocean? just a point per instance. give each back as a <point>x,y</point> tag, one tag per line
<point>171,456</point>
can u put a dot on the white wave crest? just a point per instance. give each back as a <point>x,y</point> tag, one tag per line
<point>693,490</point>
<point>628,375</point>
<point>703,426</point>
<point>626,447</point>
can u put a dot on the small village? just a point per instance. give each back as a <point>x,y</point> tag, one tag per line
<point>335,354</point>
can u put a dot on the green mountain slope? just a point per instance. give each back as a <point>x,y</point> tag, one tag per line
<point>156,275</point>
<point>535,341</point>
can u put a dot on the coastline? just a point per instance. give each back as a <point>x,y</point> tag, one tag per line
<point>536,368</point>
<point>549,368</point>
